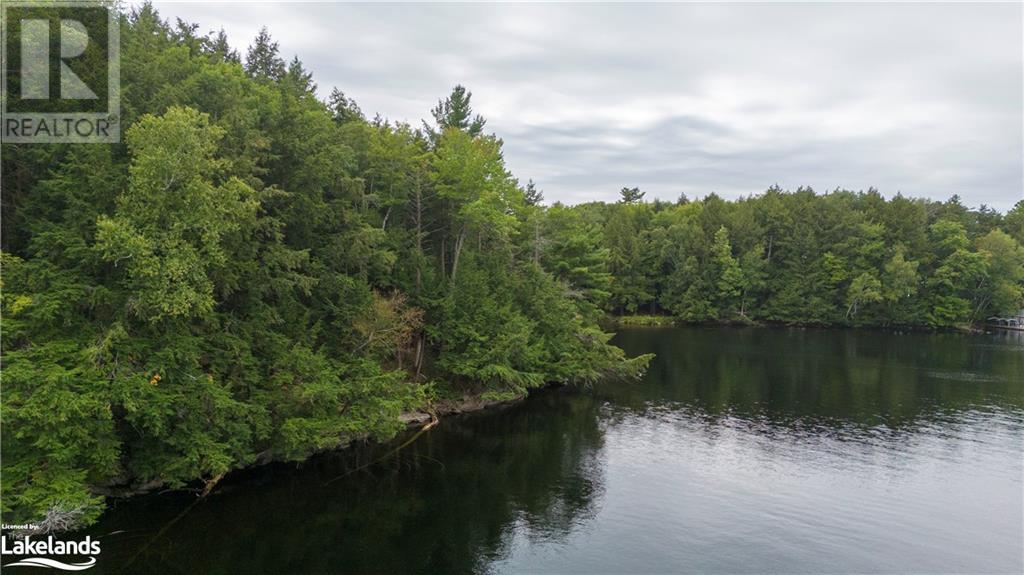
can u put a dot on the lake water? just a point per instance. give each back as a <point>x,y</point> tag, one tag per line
<point>742,451</point>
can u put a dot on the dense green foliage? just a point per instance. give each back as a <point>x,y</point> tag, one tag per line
<point>841,258</point>
<point>255,274</point>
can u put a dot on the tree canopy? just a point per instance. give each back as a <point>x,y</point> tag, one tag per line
<point>255,274</point>
<point>840,258</point>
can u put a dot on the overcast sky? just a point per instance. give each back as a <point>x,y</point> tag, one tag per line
<point>923,99</point>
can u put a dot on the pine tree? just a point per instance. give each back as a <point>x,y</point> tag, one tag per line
<point>455,111</point>
<point>343,109</point>
<point>630,195</point>
<point>532,194</point>
<point>220,50</point>
<point>262,60</point>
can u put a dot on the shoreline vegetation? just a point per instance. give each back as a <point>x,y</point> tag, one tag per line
<point>422,417</point>
<point>612,322</point>
<point>259,274</point>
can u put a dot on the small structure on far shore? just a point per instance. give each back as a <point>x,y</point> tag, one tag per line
<point>1012,322</point>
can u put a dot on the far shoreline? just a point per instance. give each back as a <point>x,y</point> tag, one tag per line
<point>615,322</point>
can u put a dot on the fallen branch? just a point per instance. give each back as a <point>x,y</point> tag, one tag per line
<point>210,484</point>
<point>433,421</point>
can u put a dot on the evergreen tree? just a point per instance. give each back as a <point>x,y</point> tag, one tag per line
<point>532,195</point>
<point>262,60</point>
<point>344,109</point>
<point>631,195</point>
<point>456,112</point>
<point>220,50</point>
<point>299,79</point>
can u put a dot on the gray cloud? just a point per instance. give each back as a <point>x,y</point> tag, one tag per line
<point>924,99</point>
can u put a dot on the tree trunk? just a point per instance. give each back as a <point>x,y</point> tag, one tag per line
<point>444,248</point>
<point>419,355</point>
<point>458,251</point>
<point>419,239</point>
<point>536,243</point>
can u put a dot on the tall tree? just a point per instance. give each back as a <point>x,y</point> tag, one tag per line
<point>220,50</point>
<point>728,275</point>
<point>262,60</point>
<point>343,108</point>
<point>532,194</point>
<point>455,111</point>
<point>631,195</point>
<point>166,231</point>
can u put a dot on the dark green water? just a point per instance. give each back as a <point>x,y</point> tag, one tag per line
<point>743,451</point>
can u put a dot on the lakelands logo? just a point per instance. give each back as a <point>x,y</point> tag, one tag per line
<point>61,70</point>
<point>49,546</point>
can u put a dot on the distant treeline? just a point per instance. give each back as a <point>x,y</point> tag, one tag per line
<point>842,258</point>
<point>255,274</point>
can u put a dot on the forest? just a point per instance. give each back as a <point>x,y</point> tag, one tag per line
<point>254,274</point>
